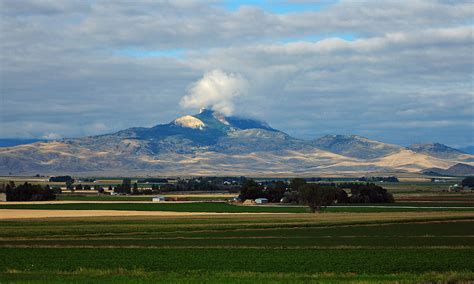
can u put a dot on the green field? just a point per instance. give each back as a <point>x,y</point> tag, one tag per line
<point>384,243</point>
<point>95,197</point>
<point>221,207</point>
<point>237,249</point>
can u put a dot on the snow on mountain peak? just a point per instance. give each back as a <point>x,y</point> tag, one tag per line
<point>189,122</point>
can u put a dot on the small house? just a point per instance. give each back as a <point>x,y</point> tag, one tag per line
<point>159,199</point>
<point>261,200</point>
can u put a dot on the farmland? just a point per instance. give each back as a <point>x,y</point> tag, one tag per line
<point>221,207</point>
<point>426,235</point>
<point>297,247</point>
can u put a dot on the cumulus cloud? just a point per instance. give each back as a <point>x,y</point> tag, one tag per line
<point>216,90</point>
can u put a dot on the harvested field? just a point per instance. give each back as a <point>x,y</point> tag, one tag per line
<point>6,214</point>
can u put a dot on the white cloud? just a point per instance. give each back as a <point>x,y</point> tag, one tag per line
<point>407,61</point>
<point>51,136</point>
<point>216,90</point>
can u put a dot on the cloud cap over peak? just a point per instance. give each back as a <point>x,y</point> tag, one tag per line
<point>216,90</point>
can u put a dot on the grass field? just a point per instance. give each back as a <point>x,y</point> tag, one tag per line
<point>221,207</point>
<point>328,247</point>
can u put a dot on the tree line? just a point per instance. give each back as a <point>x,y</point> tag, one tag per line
<point>316,195</point>
<point>29,192</point>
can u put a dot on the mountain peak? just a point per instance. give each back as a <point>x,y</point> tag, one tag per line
<point>215,119</point>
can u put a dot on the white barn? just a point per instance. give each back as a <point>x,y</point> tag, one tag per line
<point>261,200</point>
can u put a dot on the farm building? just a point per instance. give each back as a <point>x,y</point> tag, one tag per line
<point>261,200</point>
<point>159,199</point>
<point>248,202</point>
<point>455,187</point>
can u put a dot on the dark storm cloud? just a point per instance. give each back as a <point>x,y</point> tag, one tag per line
<point>406,77</point>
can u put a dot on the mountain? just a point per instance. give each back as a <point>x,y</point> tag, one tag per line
<point>436,150</point>
<point>209,143</point>
<point>355,146</point>
<point>456,170</point>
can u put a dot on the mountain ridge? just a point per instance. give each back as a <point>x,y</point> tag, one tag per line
<point>209,143</point>
<point>436,149</point>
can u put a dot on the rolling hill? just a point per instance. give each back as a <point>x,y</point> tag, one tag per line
<point>456,170</point>
<point>355,146</point>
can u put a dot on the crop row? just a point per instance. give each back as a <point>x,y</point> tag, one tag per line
<point>205,228</point>
<point>239,259</point>
<point>261,242</point>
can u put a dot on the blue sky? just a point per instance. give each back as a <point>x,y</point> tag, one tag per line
<point>280,7</point>
<point>395,71</point>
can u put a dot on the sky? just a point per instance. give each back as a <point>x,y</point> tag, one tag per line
<point>394,71</point>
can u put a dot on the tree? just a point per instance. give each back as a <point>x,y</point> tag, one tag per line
<point>61,179</point>
<point>291,197</point>
<point>69,184</point>
<point>468,182</point>
<point>56,189</point>
<point>341,196</point>
<point>317,196</point>
<point>127,185</point>
<point>276,191</point>
<point>135,189</point>
<point>251,190</point>
<point>79,187</point>
<point>296,183</point>
<point>99,189</point>
<point>367,193</point>
<point>29,192</point>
